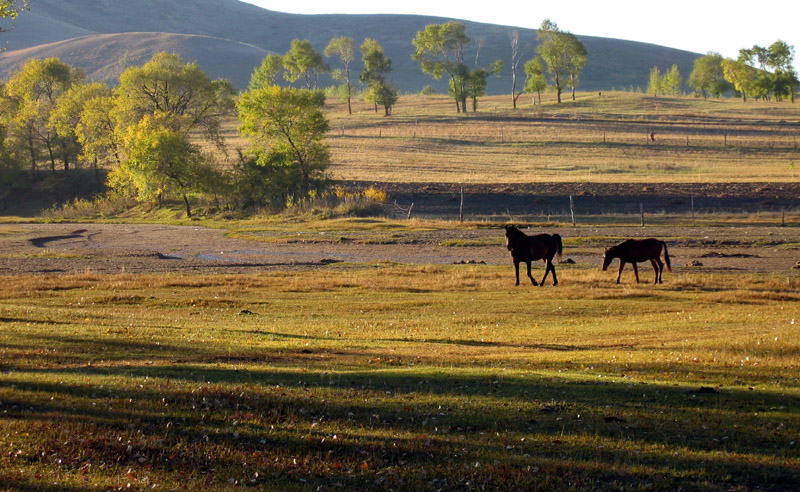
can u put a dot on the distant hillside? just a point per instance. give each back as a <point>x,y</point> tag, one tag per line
<point>228,38</point>
<point>104,56</point>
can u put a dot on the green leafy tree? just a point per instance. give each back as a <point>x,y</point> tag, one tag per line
<point>160,159</point>
<point>35,88</point>
<point>266,73</point>
<point>741,75</point>
<point>181,93</point>
<point>439,49</point>
<point>784,78</point>
<point>564,55</point>
<point>576,60</point>
<point>381,93</point>
<point>707,76</point>
<point>303,62</point>
<point>478,80</point>
<point>12,8</point>
<point>97,130</point>
<point>673,81</point>
<point>535,81</point>
<point>655,85</point>
<point>375,73</point>
<point>65,118</point>
<point>287,128</point>
<point>343,48</point>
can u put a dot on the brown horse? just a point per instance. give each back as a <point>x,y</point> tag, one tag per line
<point>634,251</point>
<point>526,249</point>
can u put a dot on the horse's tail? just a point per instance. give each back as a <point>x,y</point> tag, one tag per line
<point>666,256</point>
<point>559,245</point>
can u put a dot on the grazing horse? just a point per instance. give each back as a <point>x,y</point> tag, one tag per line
<point>634,251</point>
<point>526,249</point>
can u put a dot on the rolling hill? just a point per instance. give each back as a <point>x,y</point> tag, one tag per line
<point>228,38</point>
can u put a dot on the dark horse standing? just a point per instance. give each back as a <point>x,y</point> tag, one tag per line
<point>526,249</point>
<point>634,251</point>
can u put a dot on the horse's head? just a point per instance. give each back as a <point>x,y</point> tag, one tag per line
<point>510,234</point>
<point>608,257</point>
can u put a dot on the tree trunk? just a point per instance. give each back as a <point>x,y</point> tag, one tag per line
<point>52,156</point>
<point>188,209</point>
<point>32,150</point>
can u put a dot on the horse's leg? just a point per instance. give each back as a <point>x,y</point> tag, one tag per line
<point>655,269</point>
<point>546,271</point>
<point>516,269</point>
<point>635,271</point>
<point>529,274</point>
<point>660,269</point>
<point>621,266</point>
<point>553,268</point>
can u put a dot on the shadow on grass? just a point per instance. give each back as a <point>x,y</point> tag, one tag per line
<point>404,420</point>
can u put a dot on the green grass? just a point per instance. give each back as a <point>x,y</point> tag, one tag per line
<point>399,377</point>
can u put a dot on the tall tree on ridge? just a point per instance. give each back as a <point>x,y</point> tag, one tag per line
<point>344,48</point>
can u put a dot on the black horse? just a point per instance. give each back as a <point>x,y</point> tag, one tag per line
<point>634,251</point>
<point>526,249</point>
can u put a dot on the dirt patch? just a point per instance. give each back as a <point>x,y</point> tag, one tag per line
<point>141,248</point>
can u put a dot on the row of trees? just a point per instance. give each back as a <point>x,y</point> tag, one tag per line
<point>303,63</point>
<point>150,128</point>
<point>440,50</point>
<point>758,72</point>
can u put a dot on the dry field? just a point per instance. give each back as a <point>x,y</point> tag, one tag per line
<point>599,138</point>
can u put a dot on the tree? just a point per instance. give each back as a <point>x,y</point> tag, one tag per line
<point>535,81</point>
<point>656,83</point>
<point>383,94</point>
<point>287,128</point>
<point>267,72</point>
<point>65,118</point>
<point>707,76</point>
<point>517,54</point>
<point>35,88</point>
<point>781,61</point>
<point>303,62</point>
<point>12,8</point>
<point>440,49</point>
<point>564,54</point>
<point>673,81</point>
<point>180,93</point>
<point>740,74</point>
<point>344,48</point>
<point>375,73</point>
<point>478,80</point>
<point>775,73</point>
<point>97,131</point>
<point>160,159</point>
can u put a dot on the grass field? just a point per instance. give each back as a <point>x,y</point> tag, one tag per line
<point>396,377</point>
<point>386,376</point>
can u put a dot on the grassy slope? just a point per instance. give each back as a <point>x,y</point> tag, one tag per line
<point>595,138</point>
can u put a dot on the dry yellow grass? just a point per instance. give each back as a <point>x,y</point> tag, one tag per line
<point>601,138</point>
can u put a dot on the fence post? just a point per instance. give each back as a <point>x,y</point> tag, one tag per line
<point>641,212</point>
<point>461,208</point>
<point>572,210</point>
